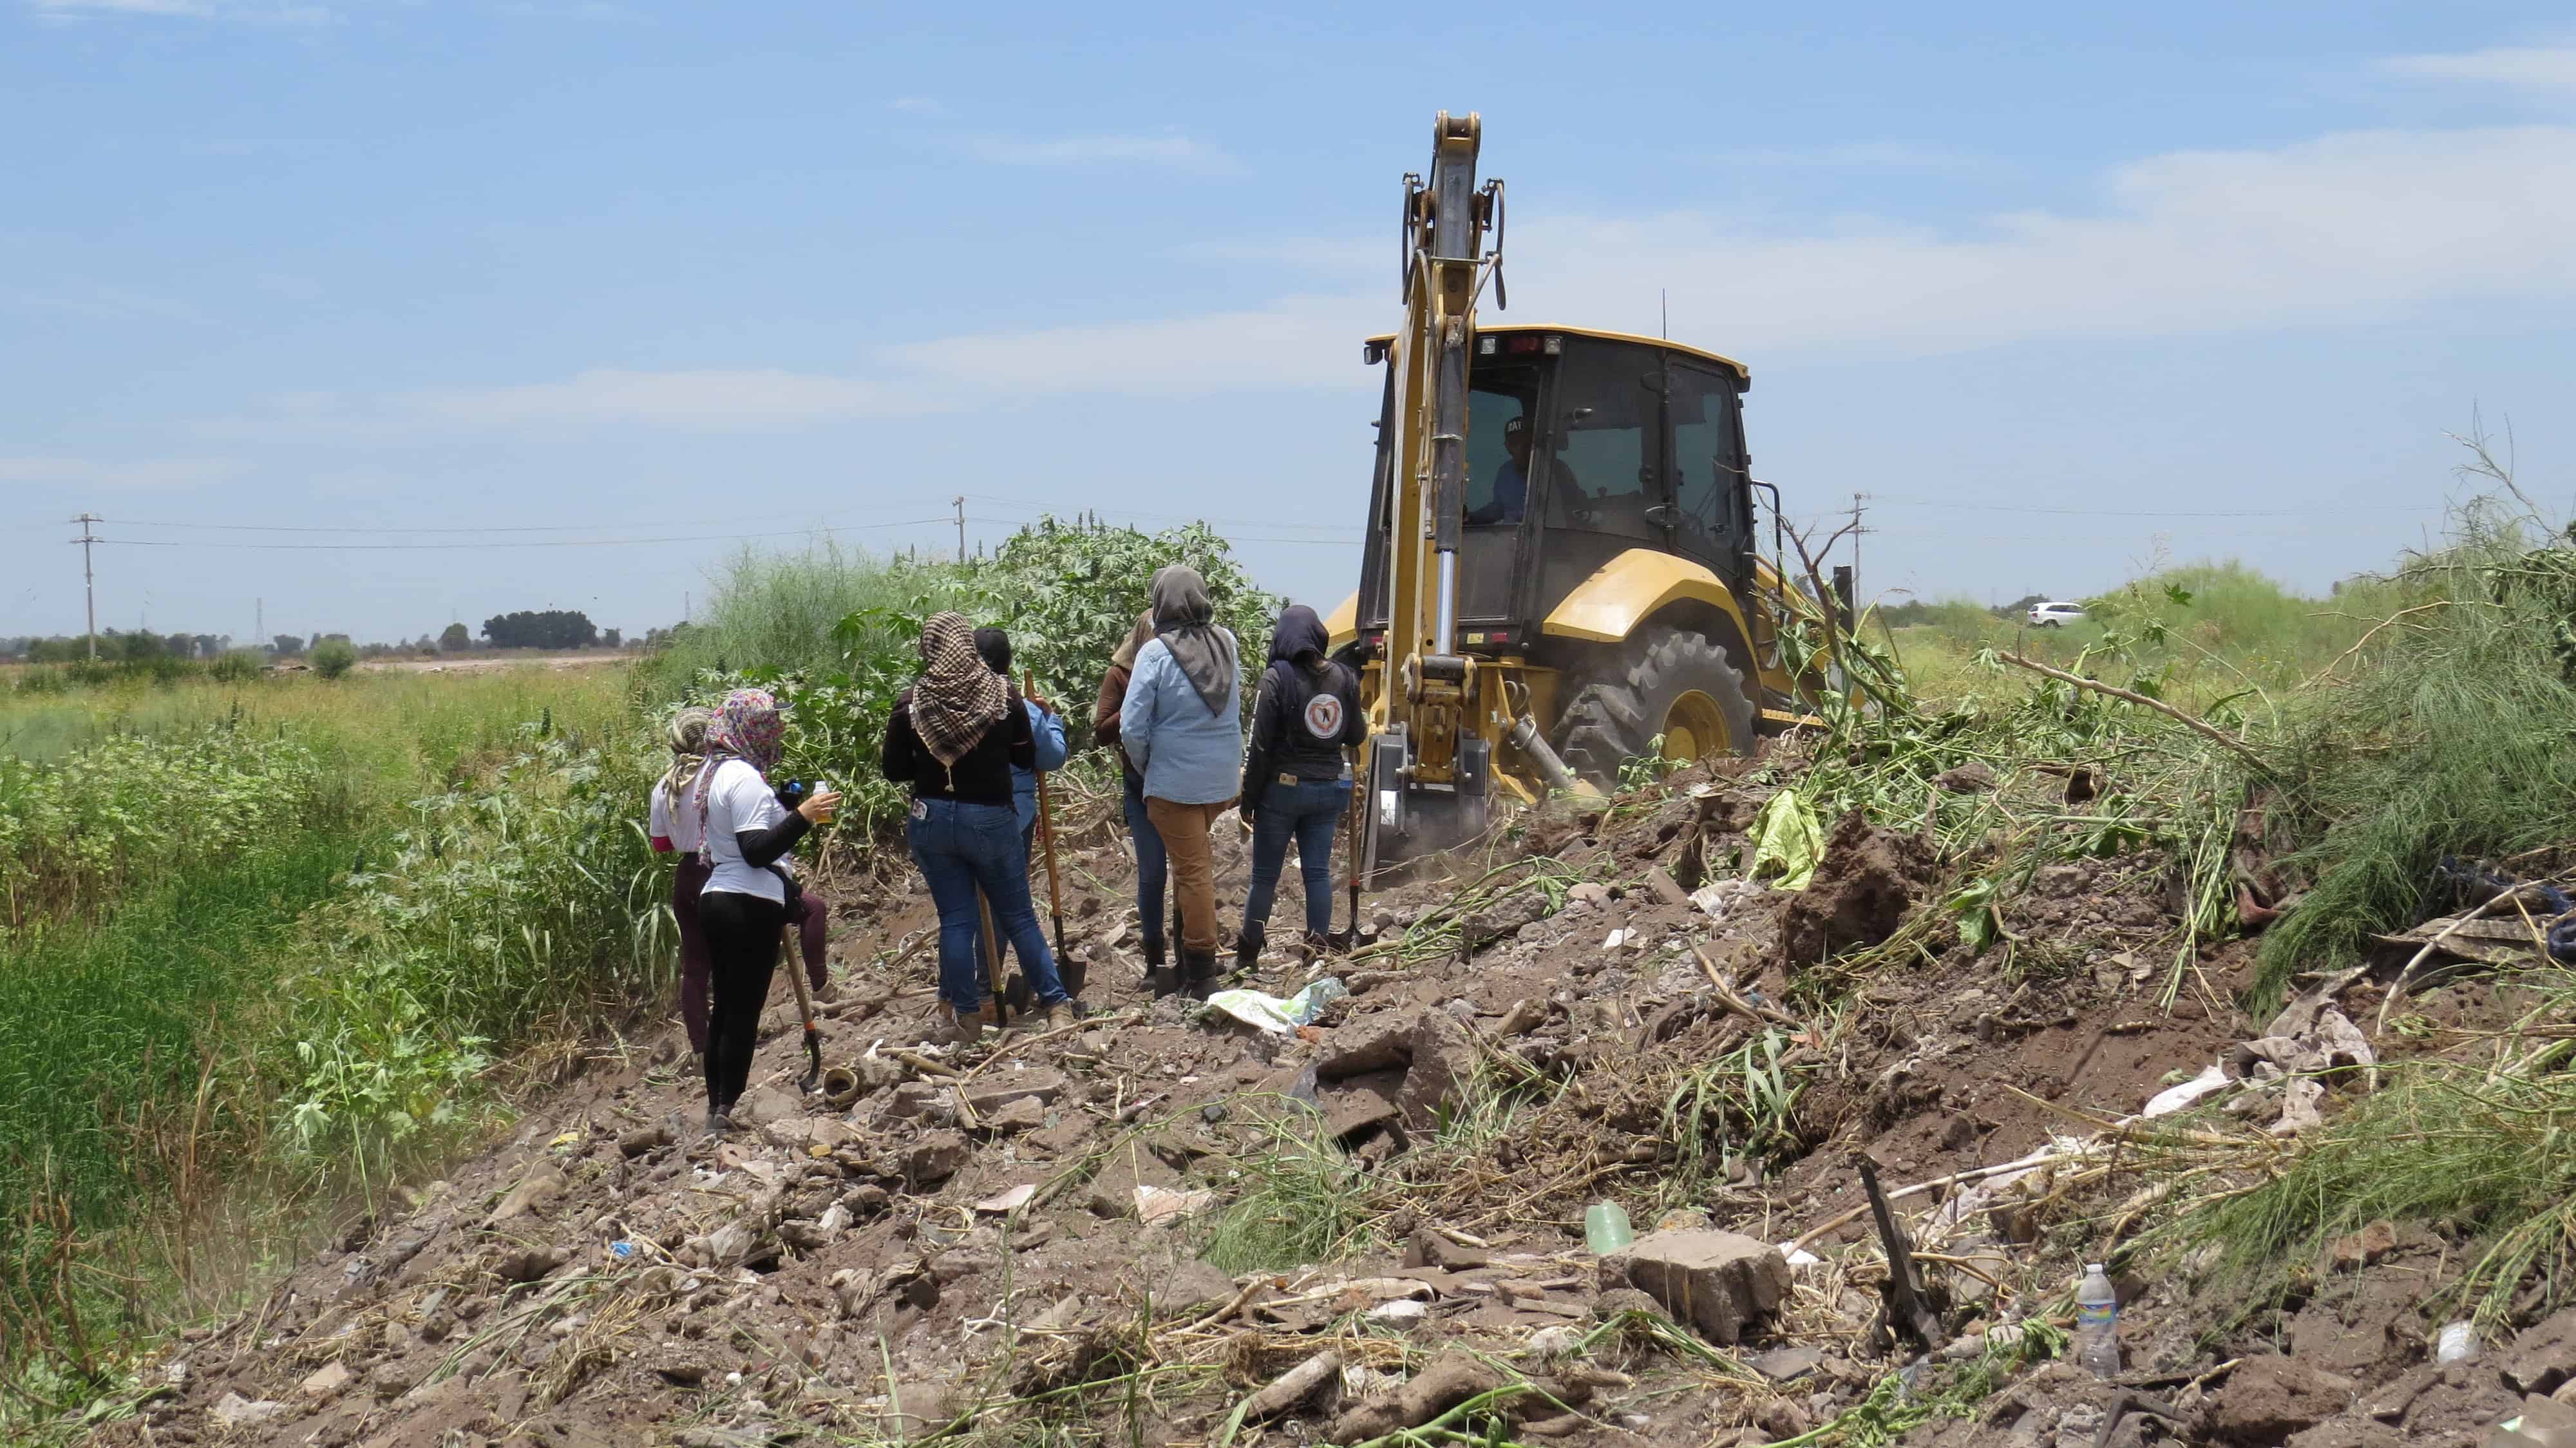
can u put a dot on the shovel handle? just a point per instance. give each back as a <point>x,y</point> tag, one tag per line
<point>787,943</point>
<point>1046,833</point>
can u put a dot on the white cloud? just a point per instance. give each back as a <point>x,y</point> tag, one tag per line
<point>257,12</point>
<point>91,473</point>
<point>2553,66</point>
<point>1294,342</point>
<point>1179,151</point>
<point>124,7</point>
<point>102,304</point>
<point>2348,229</point>
<point>698,401</point>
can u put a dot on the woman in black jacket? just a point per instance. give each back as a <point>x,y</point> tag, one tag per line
<point>1309,712</point>
<point>953,737</point>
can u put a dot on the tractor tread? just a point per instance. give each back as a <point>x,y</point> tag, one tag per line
<point>1614,714</point>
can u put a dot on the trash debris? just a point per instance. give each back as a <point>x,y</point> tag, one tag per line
<point>1606,1229</point>
<point>2097,1323</point>
<point>1788,838</point>
<point>1008,1202</point>
<point>2177,1098</point>
<point>2457,1343</point>
<point>1274,1015</point>
<point>1157,1204</point>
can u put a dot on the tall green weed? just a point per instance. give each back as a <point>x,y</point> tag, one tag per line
<point>528,902</point>
<point>2453,732</point>
<point>77,834</point>
<point>1067,594</point>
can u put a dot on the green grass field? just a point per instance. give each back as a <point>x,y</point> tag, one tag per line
<point>262,941</point>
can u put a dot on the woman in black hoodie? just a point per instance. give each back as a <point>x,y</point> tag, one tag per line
<point>1309,712</point>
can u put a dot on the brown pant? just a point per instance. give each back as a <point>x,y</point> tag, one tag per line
<point>1185,828</point>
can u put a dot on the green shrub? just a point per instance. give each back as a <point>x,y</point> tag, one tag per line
<point>79,833</point>
<point>1067,594</point>
<point>530,899</point>
<point>238,666</point>
<point>333,657</point>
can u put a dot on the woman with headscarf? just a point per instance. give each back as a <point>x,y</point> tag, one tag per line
<point>954,737</point>
<point>1150,864</point>
<point>745,835</point>
<point>1182,726</point>
<point>1307,713</point>
<point>673,825</point>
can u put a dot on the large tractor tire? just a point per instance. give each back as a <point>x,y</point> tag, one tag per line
<point>1677,686</point>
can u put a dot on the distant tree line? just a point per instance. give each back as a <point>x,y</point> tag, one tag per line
<point>525,629</point>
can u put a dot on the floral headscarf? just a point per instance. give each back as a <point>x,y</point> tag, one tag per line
<point>746,727</point>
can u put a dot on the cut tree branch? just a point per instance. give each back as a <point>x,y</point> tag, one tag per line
<point>2192,722</point>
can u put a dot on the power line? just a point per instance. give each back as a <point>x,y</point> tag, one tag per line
<point>477,527</point>
<point>1171,517</point>
<point>535,543</point>
<point>2308,512</point>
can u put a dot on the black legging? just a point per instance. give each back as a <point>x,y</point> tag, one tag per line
<point>742,953</point>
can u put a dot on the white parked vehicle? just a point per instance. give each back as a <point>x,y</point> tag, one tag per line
<point>2055,615</point>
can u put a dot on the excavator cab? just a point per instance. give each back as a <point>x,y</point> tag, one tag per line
<point>1581,446</point>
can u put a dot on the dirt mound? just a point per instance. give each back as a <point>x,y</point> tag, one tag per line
<point>1863,886</point>
<point>1167,1225</point>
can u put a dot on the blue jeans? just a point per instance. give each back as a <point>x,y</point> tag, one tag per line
<point>1309,810</point>
<point>1028,847</point>
<point>963,848</point>
<point>1152,869</point>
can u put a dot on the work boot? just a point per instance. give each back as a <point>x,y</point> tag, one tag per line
<point>1158,975</point>
<point>1060,1015</point>
<point>1316,945</point>
<point>953,1027</point>
<point>1198,973</point>
<point>718,1123</point>
<point>1247,949</point>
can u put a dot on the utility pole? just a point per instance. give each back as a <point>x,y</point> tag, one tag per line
<point>89,579</point>
<point>960,500</point>
<point>1858,499</point>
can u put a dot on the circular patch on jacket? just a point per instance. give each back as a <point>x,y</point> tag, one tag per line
<point>1324,716</point>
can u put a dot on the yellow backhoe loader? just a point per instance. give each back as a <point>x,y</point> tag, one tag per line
<point>1562,570</point>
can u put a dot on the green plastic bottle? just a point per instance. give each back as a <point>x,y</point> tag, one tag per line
<point>1605,1228</point>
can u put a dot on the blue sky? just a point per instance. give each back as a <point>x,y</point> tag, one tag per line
<point>2204,280</point>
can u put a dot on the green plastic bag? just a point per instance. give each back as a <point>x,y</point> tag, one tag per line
<point>1786,836</point>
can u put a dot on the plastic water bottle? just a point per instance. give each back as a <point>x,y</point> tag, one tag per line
<point>2457,1344</point>
<point>2097,1323</point>
<point>1605,1228</point>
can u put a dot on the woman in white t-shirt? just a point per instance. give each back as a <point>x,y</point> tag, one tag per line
<point>745,835</point>
<point>672,821</point>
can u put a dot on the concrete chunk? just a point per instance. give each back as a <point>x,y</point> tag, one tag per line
<point>1718,1282</point>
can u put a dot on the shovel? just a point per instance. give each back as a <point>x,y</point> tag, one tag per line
<point>1008,999</point>
<point>1351,857</point>
<point>1074,972</point>
<point>813,1076</point>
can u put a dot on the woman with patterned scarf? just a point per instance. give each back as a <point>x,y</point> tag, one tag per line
<point>745,835</point>
<point>953,738</point>
<point>672,823</point>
